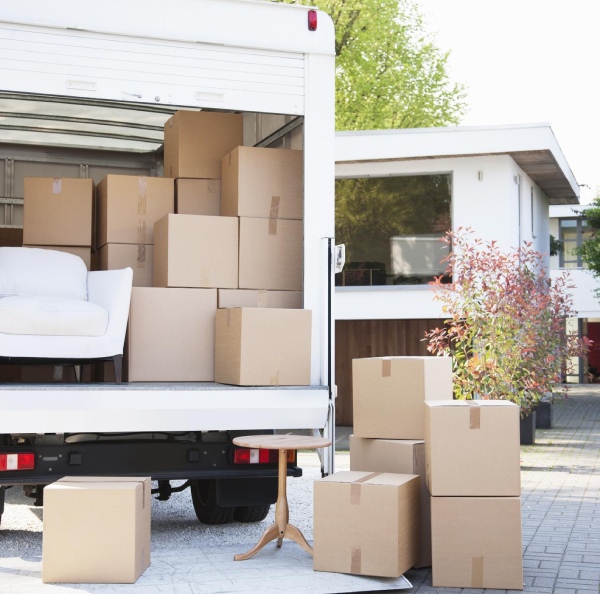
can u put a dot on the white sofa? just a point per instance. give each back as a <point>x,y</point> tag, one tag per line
<point>53,311</point>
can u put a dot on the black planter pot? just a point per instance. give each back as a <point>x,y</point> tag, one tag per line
<point>544,414</point>
<point>528,424</point>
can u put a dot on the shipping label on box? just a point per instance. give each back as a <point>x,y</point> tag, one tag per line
<point>198,196</point>
<point>255,298</point>
<point>472,447</point>
<point>138,257</point>
<point>366,523</point>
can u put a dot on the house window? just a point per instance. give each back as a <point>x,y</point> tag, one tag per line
<point>392,227</point>
<point>573,232</point>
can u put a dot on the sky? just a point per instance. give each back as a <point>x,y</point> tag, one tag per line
<point>528,61</point>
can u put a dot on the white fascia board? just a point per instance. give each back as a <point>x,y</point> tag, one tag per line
<point>566,211</point>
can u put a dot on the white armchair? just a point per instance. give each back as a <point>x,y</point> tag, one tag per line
<point>53,311</point>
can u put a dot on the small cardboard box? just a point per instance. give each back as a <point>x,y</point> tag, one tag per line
<point>477,542</point>
<point>472,447</point>
<point>96,530</point>
<point>388,394</point>
<point>139,257</point>
<point>196,141</point>
<point>271,254</point>
<point>262,182</point>
<point>401,457</point>
<point>366,523</point>
<point>256,298</point>
<point>85,253</point>
<point>263,347</point>
<point>58,211</point>
<point>129,205</point>
<point>196,251</point>
<point>198,196</point>
<point>171,335</point>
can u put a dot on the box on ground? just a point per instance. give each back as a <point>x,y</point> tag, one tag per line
<point>257,298</point>
<point>139,257</point>
<point>198,196</point>
<point>477,542</point>
<point>366,523</point>
<point>388,394</point>
<point>401,457</point>
<point>472,448</point>
<point>129,205</point>
<point>85,253</point>
<point>196,251</point>
<point>196,141</point>
<point>262,182</point>
<point>263,347</point>
<point>58,211</point>
<point>271,254</point>
<point>171,335</point>
<point>96,530</point>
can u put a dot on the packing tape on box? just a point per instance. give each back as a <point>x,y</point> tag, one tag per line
<point>356,487</point>
<point>386,368</point>
<point>274,215</point>
<point>205,276</point>
<point>141,232</point>
<point>477,572</point>
<point>262,298</point>
<point>274,379</point>
<point>142,191</point>
<point>140,261</point>
<point>56,185</point>
<point>355,560</point>
<point>474,415</point>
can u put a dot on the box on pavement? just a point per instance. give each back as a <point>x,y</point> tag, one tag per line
<point>196,141</point>
<point>366,523</point>
<point>477,542</point>
<point>198,196</point>
<point>171,334</point>
<point>262,182</point>
<point>96,530</point>
<point>263,347</point>
<point>472,448</point>
<point>401,457</point>
<point>196,251</point>
<point>58,211</point>
<point>129,205</point>
<point>271,254</point>
<point>388,394</point>
<point>85,253</point>
<point>257,298</point>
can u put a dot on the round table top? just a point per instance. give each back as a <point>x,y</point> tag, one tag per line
<point>282,442</point>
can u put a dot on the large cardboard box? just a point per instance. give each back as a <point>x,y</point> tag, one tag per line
<point>139,257</point>
<point>477,542</point>
<point>263,347</point>
<point>366,523</point>
<point>472,447</point>
<point>171,335</point>
<point>58,211</point>
<point>198,196</point>
<point>401,457</point>
<point>196,141</point>
<point>196,251</point>
<point>271,254</point>
<point>85,253</point>
<point>262,182</point>
<point>388,394</point>
<point>96,530</point>
<point>129,205</point>
<point>256,298</point>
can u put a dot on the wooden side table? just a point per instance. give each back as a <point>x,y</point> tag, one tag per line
<point>281,528</point>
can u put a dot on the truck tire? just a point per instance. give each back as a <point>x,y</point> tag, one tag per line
<point>205,503</point>
<point>251,513</point>
<point>2,494</point>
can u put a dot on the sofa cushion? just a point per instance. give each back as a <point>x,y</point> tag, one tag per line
<point>34,271</point>
<point>52,316</point>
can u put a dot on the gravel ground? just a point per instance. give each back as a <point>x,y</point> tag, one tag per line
<point>174,523</point>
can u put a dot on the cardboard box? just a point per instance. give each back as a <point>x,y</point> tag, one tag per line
<point>96,530</point>
<point>477,542</point>
<point>85,253</point>
<point>171,335</point>
<point>196,141</point>
<point>388,394</point>
<point>196,251</point>
<point>472,447</point>
<point>128,207</point>
<point>198,196</point>
<point>139,257</point>
<point>256,298</point>
<point>263,347</point>
<point>263,182</point>
<point>271,254</point>
<point>58,211</point>
<point>400,457</point>
<point>366,523</point>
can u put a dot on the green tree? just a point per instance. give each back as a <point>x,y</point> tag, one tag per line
<point>590,248</point>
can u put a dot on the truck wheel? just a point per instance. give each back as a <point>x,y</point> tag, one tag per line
<point>251,513</point>
<point>205,504</point>
<point>2,494</point>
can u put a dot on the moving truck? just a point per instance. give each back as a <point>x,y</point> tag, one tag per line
<point>85,92</point>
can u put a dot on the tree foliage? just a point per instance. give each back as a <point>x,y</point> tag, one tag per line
<point>590,248</point>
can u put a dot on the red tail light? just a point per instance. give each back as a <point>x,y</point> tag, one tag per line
<point>312,20</point>
<point>255,456</point>
<point>25,461</point>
